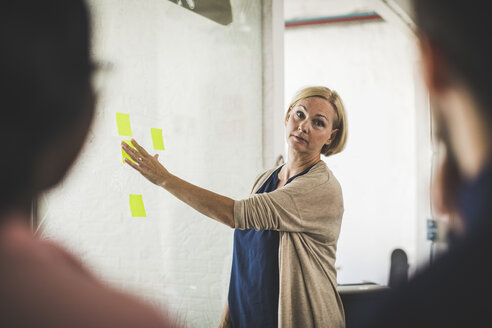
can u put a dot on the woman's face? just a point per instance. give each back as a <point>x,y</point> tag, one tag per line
<point>309,126</point>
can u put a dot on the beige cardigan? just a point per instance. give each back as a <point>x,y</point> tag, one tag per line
<point>308,214</point>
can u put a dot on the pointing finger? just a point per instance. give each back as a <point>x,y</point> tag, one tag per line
<point>140,148</point>
<point>130,151</point>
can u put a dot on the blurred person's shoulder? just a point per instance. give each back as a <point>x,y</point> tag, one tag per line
<point>44,285</point>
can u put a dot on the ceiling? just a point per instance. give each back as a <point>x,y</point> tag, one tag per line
<point>298,9</point>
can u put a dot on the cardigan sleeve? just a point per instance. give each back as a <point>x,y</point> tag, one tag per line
<point>309,204</point>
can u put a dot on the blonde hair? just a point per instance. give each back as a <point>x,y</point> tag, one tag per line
<point>340,121</point>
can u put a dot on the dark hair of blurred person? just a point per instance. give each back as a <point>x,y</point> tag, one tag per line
<point>47,106</point>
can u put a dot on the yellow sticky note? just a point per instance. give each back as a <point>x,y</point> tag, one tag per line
<point>123,123</point>
<point>124,154</point>
<point>137,206</point>
<point>157,138</point>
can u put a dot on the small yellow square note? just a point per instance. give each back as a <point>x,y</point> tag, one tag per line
<point>124,154</point>
<point>136,206</point>
<point>123,123</point>
<point>157,138</point>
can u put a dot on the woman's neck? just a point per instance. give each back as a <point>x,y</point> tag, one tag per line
<point>297,164</point>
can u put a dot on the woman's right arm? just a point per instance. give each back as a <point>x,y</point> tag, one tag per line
<point>213,205</point>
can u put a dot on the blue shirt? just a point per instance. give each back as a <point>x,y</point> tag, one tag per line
<point>254,284</point>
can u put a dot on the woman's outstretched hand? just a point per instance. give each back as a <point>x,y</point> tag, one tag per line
<point>145,163</point>
<point>213,205</point>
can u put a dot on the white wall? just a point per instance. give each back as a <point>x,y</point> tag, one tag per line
<point>200,82</point>
<point>384,169</point>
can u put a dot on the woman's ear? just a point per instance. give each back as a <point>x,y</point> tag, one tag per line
<point>332,137</point>
<point>287,115</point>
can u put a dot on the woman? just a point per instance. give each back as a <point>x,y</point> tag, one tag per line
<point>286,233</point>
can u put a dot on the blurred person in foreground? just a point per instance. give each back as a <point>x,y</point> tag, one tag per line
<point>47,108</point>
<point>454,291</point>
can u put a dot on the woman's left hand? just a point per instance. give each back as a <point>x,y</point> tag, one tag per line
<point>148,165</point>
